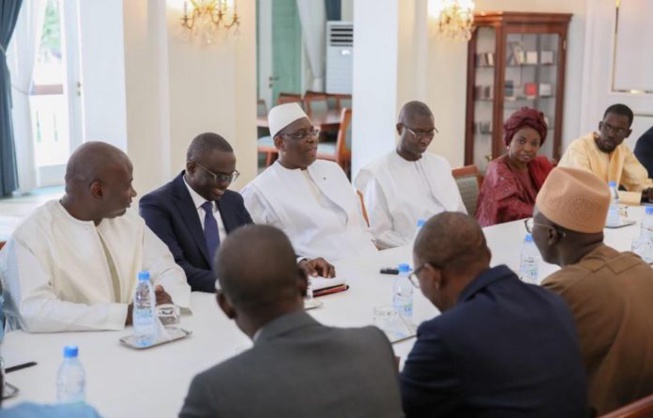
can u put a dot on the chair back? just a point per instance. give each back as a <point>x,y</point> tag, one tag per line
<point>468,179</point>
<point>642,408</point>
<point>261,108</point>
<point>360,197</point>
<point>316,105</point>
<point>343,142</point>
<point>289,98</point>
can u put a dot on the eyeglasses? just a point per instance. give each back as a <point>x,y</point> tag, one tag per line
<point>609,128</point>
<point>412,277</point>
<point>302,135</point>
<point>422,134</point>
<point>529,223</point>
<point>220,178</point>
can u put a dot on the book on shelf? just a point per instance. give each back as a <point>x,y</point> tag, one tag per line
<point>484,127</point>
<point>485,59</point>
<point>545,89</point>
<point>483,92</point>
<point>509,88</point>
<point>531,57</point>
<point>546,57</point>
<point>530,90</point>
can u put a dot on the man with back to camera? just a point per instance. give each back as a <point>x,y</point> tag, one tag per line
<point>311,200</point>
<point>297,366</point>
<point>609,292</point>
<point>606,156</point>
<point>194,212</point>
<point>499,348</point>
<point>408,184</point>
<point>72,264</point>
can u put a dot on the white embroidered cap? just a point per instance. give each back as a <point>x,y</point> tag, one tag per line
<point>283,115</point>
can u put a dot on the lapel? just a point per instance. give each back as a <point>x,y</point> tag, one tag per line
<point>284,324</point>
<point>188,214</point>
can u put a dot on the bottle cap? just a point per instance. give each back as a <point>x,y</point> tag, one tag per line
<point>612,184</point>
<point>528,238</point>
<point>143,275</point>
<point>649,210</point>
<point>70,351</point>
<point>404,268</point>
<point>420,223</point>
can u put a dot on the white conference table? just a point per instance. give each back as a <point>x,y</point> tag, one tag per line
<point>124,382</point>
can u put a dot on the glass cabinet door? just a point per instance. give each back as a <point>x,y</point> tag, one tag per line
<point>531,78</point>
<point>484,96</point>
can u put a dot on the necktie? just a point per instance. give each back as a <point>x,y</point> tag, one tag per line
<point>211,234</point>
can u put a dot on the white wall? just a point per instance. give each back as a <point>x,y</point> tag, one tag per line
<point>376,55</point>
<point>103,71</point>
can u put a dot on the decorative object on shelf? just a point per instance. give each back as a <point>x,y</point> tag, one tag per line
<point>207,18</point>
<point>530,90</point>
<point>453,18</point>
<point>546,57</point>
<point>531,57</point>
<point>545,90</point>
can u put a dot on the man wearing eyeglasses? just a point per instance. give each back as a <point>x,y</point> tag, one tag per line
<point>194,212</point>
<point>604,154</point>
<point>310,200</point>
<point>609,292</point>
<point>408,184</point>
<point>499,348</point>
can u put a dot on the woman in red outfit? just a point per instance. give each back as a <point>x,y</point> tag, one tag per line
<point>513,180</point>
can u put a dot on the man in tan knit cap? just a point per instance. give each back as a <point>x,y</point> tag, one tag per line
<point>609,293</point>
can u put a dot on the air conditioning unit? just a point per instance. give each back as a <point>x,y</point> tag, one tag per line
<point>339,57</point>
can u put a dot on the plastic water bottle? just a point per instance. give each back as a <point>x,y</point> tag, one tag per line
<point>402,295</point>
<point>71,378</point>
<point>613,212</point>
<point>529,262</point>
<point>643,245</point>
<point>420,224</point>
<point>647,223</point>
<point>144,310</point>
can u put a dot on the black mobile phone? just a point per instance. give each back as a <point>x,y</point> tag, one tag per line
<point>389,270</point>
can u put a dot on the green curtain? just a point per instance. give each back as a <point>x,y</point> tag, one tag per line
<point>8,174</point>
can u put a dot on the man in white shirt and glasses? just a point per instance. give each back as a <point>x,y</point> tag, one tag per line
<point>311,200</point>
<point>408,183</point>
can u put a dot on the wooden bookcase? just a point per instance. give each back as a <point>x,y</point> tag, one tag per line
<point>514,59</point>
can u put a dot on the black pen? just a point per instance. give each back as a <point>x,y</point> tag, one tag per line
<point>20,366</point>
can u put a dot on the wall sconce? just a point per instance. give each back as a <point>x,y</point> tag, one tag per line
<point>206,18</point>
<point>453,18</point>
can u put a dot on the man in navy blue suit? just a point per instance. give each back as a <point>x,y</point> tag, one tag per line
<point>195,211</point>
<point>500,347</point>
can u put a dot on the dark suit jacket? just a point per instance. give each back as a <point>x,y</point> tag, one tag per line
<point>300,368</point>
<point>644,151</point>
<point>169,212</point>
<point>507,349</point>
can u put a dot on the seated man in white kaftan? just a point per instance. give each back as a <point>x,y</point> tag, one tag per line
<point>310,200</point>
<point>72,265</point>
<point>408,184</point>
